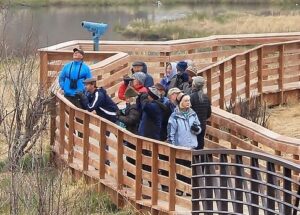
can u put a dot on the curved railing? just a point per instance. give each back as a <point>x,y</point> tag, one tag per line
<point>87,154</point>
<point>243,182</point>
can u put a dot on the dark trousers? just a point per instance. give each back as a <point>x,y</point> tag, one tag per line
<point>200,138</point>
<point>75,100</point>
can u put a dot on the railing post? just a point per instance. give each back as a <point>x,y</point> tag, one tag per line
<point>215,49</point>
<point>172,179</point>
<point>281,73</point>
<point>61,127</point>
<point>259,72</point>
<point>86,144</point>
<point>247,75</point>
<point>233,83</point>
<point>120,152</point>
<point>102,152</point>
<point>222,86</point>
<point>71,135</point>
<point>138,170</point>
<point>154,176</point>
<point>43,69</point>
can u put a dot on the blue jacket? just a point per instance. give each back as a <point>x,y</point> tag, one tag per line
<point>179,129</point>
<point>70,71</point>
<point>101,103</point>
<point>151,120</point>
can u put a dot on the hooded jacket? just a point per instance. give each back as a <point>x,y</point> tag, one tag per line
<point>151,119</point>
<point>101,103</point>
<point>76,70</point>
<point>149,80</point>
<point>179,128</point>
<point>130,117</point>
<point>166,80</point>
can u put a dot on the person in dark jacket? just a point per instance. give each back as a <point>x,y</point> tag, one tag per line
<point>72,76</point>
<point>140,66</point>
<point>152,112</point>
<point>201,105</point>
<point>96,99</point>
<point>181,79</point>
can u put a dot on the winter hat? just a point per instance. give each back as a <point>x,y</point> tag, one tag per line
<point>140,76</point>
<point>173,90</point>
<point>181,66</point>
<point>180,99</point>
<point>192,71</point>
<point>153,92</point>
<point>198,82</point>
<point>138,63</point>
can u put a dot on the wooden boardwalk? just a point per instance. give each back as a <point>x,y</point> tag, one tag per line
<point>231,70</point>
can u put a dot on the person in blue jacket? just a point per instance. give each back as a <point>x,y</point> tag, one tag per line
<point>152,112</point>
<point>140,66</point>
<point>184,125</point>
<point>96,99</point>
<point>72,76</point>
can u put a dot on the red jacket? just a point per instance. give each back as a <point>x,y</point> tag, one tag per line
<point>123,87</point>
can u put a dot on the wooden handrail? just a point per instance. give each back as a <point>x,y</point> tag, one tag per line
<point>87,153</point>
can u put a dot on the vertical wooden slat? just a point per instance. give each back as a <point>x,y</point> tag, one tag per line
<point>247,75</point>
<point>259,73</point>
<point>209,84</point>
<point>120,152</point>
<point>53,113</point>
<point>71,135</point>
<point>172,179</point>
<point>222,86</point>
<point>102,151</point>
<point>233,81</point>
<point>281,73</point>
<point>86,144</point>
<point>154,175</point>
<point>62,127</point>
<point>138,170</point>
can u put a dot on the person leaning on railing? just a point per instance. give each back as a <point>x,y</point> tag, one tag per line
<point>96,99</point>
<point>72,76</point>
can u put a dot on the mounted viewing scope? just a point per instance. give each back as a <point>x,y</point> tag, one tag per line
<point>97,29</point>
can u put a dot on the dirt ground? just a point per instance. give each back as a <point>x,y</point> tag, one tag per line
<point>285,120</point>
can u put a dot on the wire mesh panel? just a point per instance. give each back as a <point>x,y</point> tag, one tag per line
<point>243,182</point>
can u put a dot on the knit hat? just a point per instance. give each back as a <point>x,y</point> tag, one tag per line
<point>173,90</point>
<point>198,82</point>
<point>180,99</point>
<point>153,92</point>
<point>138,63</point>
<point>192,71</point>
<point>140,76</point>
<point>182,65</point>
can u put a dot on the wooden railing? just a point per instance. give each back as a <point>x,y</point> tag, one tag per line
<point>270,71</point>
<point>243,182</point>
<point>99,150</point>
<point>80,138</point>
<point>203,51</point>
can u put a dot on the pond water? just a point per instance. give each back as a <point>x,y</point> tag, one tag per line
<point>52,25</point>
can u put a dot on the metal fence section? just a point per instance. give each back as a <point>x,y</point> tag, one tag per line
<point>243,182</point>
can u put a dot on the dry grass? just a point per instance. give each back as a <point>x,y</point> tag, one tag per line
<point>198,25</point>
<point>285,120</point>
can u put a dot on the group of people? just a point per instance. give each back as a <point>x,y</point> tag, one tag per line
<point>174,110</point>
